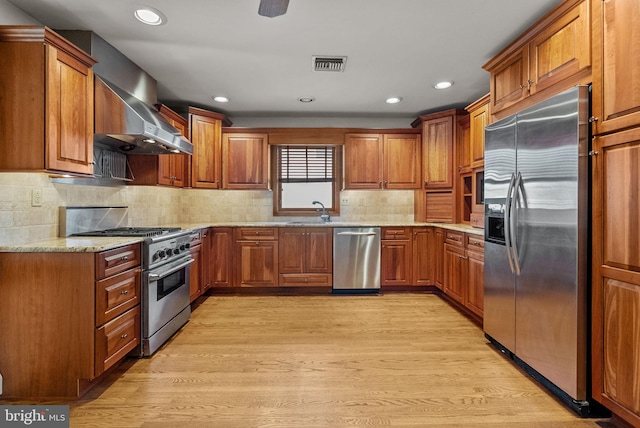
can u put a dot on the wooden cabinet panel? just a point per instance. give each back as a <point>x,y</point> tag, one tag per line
<point>305,255</point>
<point>195,273</point>
<point>439,207</point>
<point>455,272</point>
<point>616,61</point>
<point>363,156</point>
<point>46,108</point>
<point>401,161</point>
<point>382,161</point>
<point>116,338</point>
<point>118,260</point>
<point>438,153</point>
<point>245,161</point>
<point>438,260</point>
<point>509,80</point>
<point>551,56</point>
<point>479,116</point>
<point>220,256</point>
<point>424,255</point>
<point>256,233</point>
<point>206,137</point>
<point>257,263</point>
<point>561,50</point>
<point>474,299</point>
<point>396,262</point>
<point>117,294</point>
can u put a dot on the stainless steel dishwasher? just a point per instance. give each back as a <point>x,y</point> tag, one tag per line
<point>356,260</point>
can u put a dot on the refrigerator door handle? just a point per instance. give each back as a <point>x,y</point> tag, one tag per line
<point>507,221</point>
<point>512,225</point>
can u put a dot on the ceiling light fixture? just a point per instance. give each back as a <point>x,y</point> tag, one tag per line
<point>306,99</point>
<point>150,16</point>
<point>221,99</point>
<point>443,85</point>
<point>393,100</point>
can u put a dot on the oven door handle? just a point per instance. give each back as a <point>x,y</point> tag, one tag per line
<point>157,276</point>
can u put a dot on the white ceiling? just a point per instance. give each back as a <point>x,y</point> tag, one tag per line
<point>223,47</point>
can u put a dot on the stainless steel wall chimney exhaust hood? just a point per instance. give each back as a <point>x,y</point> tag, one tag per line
<point>125,123</point>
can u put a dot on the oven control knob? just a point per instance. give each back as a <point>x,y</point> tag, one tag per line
<point>187,245</point>
<point>183,247</point>
<point>161,254</point>
<point>176,251</point>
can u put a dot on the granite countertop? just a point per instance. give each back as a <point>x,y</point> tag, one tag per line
<point>97,244</point>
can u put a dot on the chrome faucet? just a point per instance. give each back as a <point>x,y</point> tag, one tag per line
<point>324,215</point>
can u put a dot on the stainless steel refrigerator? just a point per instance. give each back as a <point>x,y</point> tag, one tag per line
<point>536,190</point>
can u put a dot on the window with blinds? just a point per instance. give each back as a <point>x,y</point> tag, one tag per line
<point>305,164</point>
<point>305,174</point>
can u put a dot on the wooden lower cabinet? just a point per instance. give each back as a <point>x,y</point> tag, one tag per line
<point>438,258</point>
<point>423,255</point>
<point>396,256</point>
<point>220,256</point>
<point>305,256</point>
<point>463,260</point>
<point>195,273</point>
<point>615,316</point>
<point>66,319</point>
<point>256,257</point>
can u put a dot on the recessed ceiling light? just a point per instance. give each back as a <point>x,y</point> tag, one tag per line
<point>443,85</point>
<point>150,16</point>
<point>306,99</point>
<point>393,100</point>
<point>221,99</point>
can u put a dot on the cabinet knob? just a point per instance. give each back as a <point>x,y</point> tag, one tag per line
<point>124,292</point>
<point>124,336</point>
<point>530,82</point>
<point>593,119</point>
<point>523,85</point>
<point>124,258</point>
<point>593,153</point>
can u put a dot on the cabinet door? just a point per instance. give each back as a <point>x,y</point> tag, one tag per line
<point>220,257</point>
<point>474,298</point>
<point>69,113</point>
<point>401,155</point>
<point>195,276</point>
<point>455,268</point>
<point>509,80</point>
<point>245,161</point>
<point>423,254</point>
<point>395,261</point>
<point>561,50</point>
<point>257,263</point>
<point>616,61</point>
<point>479,119</point>
<point>206,136</point>
<point>438,259</point>
<point>319,250</point>
<point>616,278</point>
<point>438,153</point>
<point>363,161</point>
<point>291,253</point>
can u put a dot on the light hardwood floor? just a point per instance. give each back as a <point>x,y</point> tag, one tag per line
<point>402,360</point>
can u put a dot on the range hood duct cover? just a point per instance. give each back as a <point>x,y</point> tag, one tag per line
<point>127,124</point>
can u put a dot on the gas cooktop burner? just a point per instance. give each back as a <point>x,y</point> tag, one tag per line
<point>132,231</point>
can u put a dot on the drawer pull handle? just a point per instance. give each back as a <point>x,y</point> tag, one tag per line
<point>124,258</point>
<point>124,336</point>
<point>124,292</point>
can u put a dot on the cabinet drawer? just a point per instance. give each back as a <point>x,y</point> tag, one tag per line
<point>304,280</point>
<point>454,238</point>
<point>477,220</point>
<point>255,233</point>
<point>117,294</point>
<point>116,338</point>
<point>396,232</point>
<point>475,243</point>
<point>117,260</point>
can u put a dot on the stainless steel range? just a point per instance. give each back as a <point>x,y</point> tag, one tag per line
<point>166,264</point>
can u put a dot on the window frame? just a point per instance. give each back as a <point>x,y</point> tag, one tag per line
<point>306,212</point>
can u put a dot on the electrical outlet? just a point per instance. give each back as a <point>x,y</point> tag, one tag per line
<point>344,200</point>
<point>36,197</point>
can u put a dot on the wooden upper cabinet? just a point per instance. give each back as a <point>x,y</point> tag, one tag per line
<point>245,161</point>
<point>551,56</point>
<point>382,161</point>
<point>363,161</point>
<point>479,117</point>
<point>401,161</point>
<point>616,61</point>
<point>46,108</point>
<point>438,137</point>
<point>172,169</point>
<point>205,129</point>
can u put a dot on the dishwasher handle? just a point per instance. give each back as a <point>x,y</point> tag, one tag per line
<point>357,233</point>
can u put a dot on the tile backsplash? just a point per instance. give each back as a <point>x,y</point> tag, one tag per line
<point>21,223</point>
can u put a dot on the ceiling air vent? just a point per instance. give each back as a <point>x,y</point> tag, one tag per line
<point>329,63</point>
